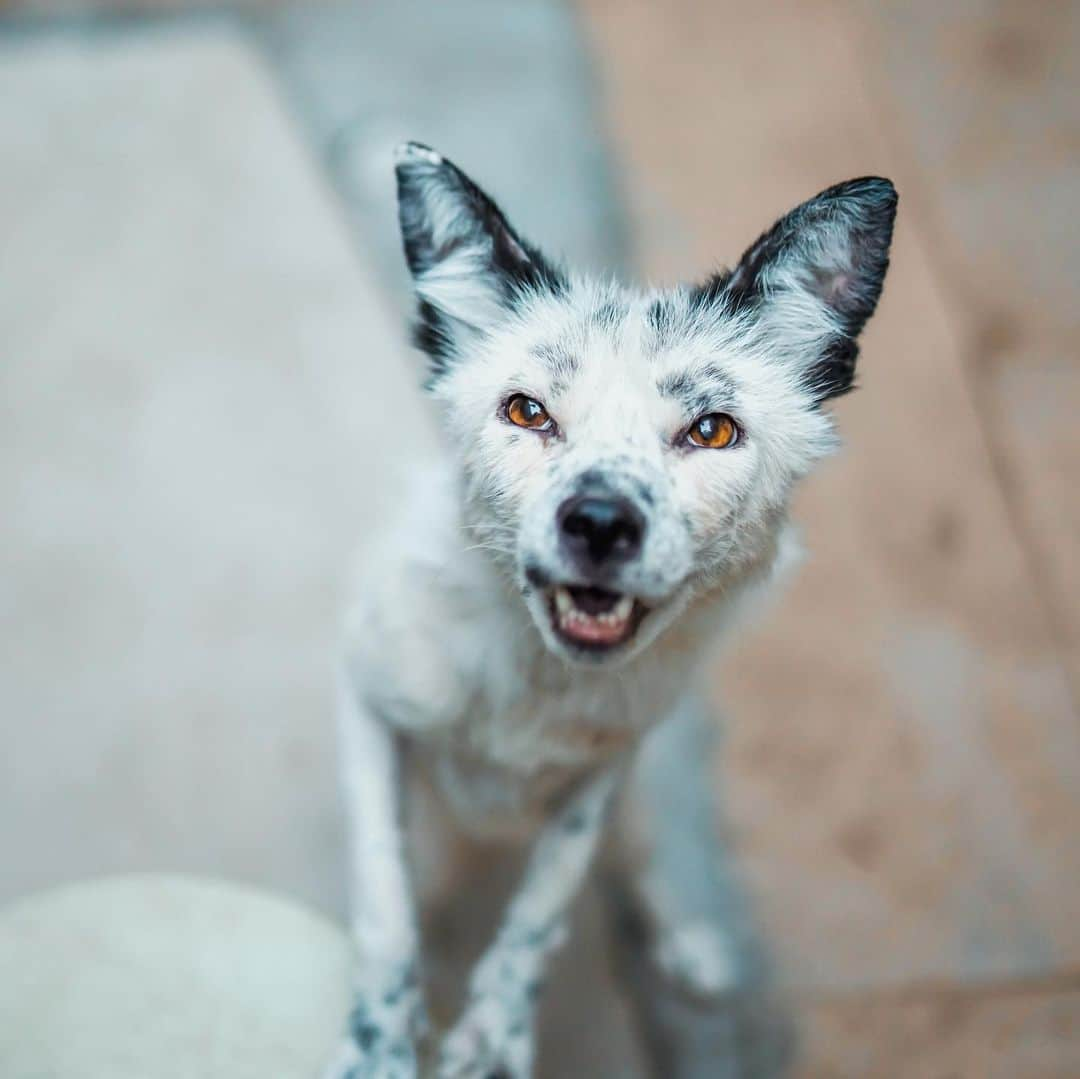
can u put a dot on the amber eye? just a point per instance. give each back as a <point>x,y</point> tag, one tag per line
<point>716,431</point>
<point>523,411</point>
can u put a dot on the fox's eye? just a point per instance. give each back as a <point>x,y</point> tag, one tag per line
<point>523,411</point>
<point>716,431</point>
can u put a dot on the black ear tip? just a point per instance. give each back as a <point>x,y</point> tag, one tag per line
<point>871,189</point>
<point>408,154</point>
<point>882,190</point>
<point>876,193</point>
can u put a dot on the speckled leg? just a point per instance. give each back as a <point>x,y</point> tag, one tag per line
<point>494,1036</point>
<point>388,1012</point>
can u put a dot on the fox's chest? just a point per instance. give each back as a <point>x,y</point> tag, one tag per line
<point>490,800</point>
<point>505,768</point>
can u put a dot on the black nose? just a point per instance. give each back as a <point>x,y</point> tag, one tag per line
<point>600,531</point>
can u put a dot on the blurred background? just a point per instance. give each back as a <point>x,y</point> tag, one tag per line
<point>204,385</point>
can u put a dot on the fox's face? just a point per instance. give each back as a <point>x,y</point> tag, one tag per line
<point>624,452</point>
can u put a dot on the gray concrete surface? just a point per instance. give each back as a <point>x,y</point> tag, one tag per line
<point>197,386</point>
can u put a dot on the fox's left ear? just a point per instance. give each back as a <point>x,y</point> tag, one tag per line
<point>468,263</point>
<point>815,278</point>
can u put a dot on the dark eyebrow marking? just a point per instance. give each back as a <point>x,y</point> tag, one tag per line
<point>704,389</point>
<point>659,318</point>
<point>657,315</point>
<point>560,361</point>
<point>609,314</point>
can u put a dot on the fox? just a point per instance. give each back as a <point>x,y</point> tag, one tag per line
<point>609,500</point>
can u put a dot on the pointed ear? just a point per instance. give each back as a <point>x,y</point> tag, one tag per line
<point>468,264</point>
<point>815,278</point>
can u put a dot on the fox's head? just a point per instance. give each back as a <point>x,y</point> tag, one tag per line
<point>625,451</point>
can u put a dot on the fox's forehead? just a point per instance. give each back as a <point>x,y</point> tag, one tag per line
<point>651,345</point>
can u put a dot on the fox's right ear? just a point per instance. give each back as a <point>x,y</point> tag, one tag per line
<point>815,277</point>
<point>468,263</point>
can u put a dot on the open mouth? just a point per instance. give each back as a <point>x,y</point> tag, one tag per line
<point>594,618</point>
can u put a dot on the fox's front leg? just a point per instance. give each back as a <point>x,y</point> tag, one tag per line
<point>688,951</point>
<point>669,860</point>
<point>494,1036</point>
<point>388,1013</point>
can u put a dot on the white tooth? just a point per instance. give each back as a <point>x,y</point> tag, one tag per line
<point>563,603</point>
<point>623,608</point>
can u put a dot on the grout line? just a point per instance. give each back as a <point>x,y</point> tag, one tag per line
<point>1055,983</point>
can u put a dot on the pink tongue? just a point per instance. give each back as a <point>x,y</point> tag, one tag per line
<point>594,631</point>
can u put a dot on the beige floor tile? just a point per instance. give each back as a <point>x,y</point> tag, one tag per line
<point>982,97</point>
<point>197,378</point>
